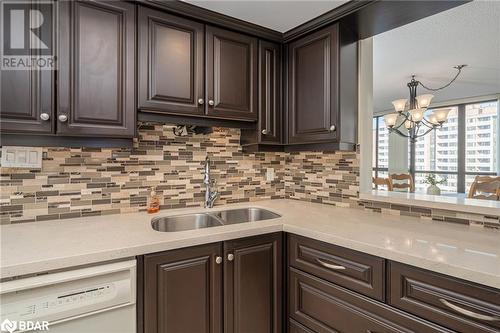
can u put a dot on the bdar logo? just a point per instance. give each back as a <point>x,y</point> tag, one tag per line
<point>8,326</point>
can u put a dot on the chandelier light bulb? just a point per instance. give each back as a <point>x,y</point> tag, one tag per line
<point>441,115</point>
<point>390,119</point>
<point>424,101</point>
<point>409,124</point>
<point>433,119</point>
<point>417,115</point>
<point>399,104</point>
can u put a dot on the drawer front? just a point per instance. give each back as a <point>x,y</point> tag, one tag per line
<point>459,305</point>
<point>324,307</point>
<point>351,269</point>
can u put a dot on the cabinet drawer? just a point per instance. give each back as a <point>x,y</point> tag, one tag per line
<point>351,269</point>
<point>325,307</point>
<point>457,304</point>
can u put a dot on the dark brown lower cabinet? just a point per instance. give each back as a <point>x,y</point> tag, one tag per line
<point>253,284</point>
<point>324,307</point>
<point>184,290</point>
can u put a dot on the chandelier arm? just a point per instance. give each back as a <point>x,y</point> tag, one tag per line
<point>458,68</point>
<point>427,123</point>
<point>398,126</point>
<point>395,130</point>
<point>423,134</point>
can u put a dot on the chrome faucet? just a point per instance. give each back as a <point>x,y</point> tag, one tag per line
<point>210,196</point>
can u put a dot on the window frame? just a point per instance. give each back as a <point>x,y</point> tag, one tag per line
<point>461,172</point>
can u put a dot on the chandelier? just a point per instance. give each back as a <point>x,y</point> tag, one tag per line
<point>412,115</point>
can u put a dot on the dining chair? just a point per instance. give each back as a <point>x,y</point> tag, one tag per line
<point>485,187</point>
<point>399,184</point>
<point>380,181</point>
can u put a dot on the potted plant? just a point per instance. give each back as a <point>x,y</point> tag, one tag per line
<point>433,184</point>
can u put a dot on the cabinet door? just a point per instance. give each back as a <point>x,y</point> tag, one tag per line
<point>253,284</point>
<point>313,87</point>
<point>231,74</point>
<point>97,68</point>
<point>27,94</point>
<point>182,290</point>
<point>269,92</point>
<point>171,51</point>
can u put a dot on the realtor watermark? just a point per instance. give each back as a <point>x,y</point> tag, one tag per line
<point>11,326</point>
<point>27,32</point>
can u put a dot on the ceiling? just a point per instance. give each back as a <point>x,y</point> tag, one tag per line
<point>467,34</point>
<point>279,15</point>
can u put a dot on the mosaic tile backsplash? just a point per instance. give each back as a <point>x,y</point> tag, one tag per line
<point>76,182</point>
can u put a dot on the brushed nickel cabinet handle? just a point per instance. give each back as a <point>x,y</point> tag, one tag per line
<point>44,116</point>
<point>218,260</point>
<point>63,118</point>
<point>333,128</point>
<point>230,257</point>
<point>264,131</point>
<point>468,313</point>
<point>327,265</point>
<point>201,101</point>
<point>211,103</point>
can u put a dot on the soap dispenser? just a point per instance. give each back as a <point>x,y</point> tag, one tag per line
<point>153,202</point>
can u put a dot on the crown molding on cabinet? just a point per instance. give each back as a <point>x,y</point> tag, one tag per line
<point>366,18</point>
<point>214,18</point>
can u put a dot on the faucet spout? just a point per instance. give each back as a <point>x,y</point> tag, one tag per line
<point>210,195</point>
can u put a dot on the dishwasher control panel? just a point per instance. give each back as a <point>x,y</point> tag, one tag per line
<point>30,309</point>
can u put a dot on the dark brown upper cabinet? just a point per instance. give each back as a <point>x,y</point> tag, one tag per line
<point>182,290</point>
<point>231,71</point>
<point>313,87</point>
<point>96,78</point>
<point>253,284</point>
<point>171,67</point>
<point>322,87</point>
<point>269,92</point>
<point>27,101</point>
<point>269,127</point>
<point>27,96</point>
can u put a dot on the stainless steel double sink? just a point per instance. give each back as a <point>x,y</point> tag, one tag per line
<point>211,219</point>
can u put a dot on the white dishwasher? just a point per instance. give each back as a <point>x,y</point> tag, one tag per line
<point>97,299</point>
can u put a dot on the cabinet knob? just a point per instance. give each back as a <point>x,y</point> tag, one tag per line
<point>44,116</point>
<point>333,128</point>
<point>201,101</point>
<point>63,118</point>
<point>264,131</point>
<point>218,260</point>
<point>230,257</point>
<point>211,103</point>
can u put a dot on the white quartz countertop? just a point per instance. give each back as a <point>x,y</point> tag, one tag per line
<point>456,203</point>
<point>468,252</point>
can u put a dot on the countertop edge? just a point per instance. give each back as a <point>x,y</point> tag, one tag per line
<point>482,278</point>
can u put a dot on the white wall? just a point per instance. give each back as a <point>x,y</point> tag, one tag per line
<point>365,113</point>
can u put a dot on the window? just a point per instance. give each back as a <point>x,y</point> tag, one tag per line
<point>464,147</point>
<point>380,148</point>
